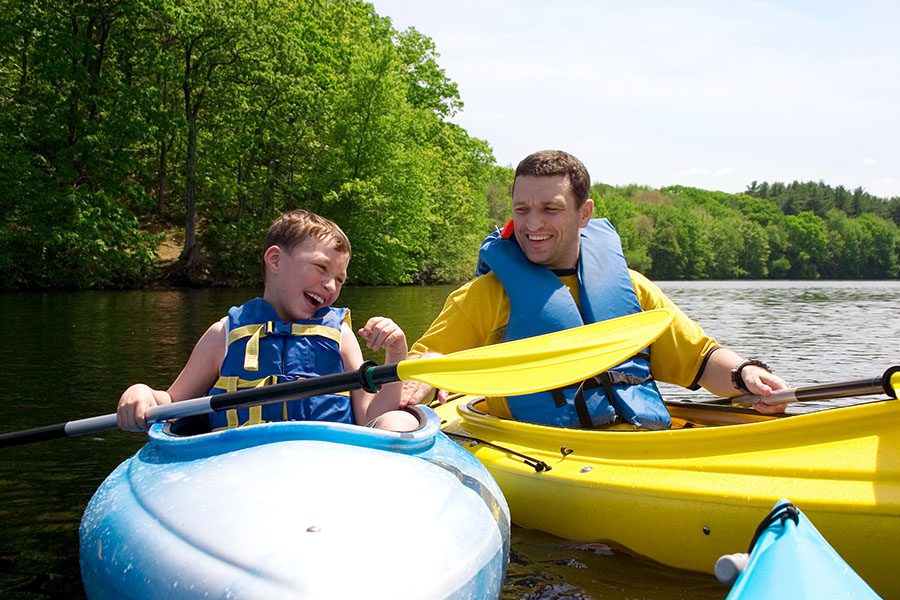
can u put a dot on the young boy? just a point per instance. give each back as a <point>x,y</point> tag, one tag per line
<point>291,332</point>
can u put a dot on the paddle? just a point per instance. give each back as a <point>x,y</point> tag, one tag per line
<point>886,383</point>
<point>511,368</point>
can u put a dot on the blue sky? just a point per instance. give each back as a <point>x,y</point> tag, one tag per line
<point>702,93</point>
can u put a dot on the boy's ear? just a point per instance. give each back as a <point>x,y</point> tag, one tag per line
<point>271,257</point>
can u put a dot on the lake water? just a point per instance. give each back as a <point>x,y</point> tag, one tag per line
<point>68,355</point>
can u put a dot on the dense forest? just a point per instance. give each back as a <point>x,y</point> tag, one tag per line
<point>123,120</point>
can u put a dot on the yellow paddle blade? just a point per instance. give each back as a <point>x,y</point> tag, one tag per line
<point>543,362</point>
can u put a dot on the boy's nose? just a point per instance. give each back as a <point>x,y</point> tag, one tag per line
<point>330,285</point>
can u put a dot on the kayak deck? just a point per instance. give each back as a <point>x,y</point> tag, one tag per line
<point>685,496</point>
<point>296,509</point>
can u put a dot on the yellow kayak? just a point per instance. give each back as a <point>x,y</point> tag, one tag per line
<point>686,496</point>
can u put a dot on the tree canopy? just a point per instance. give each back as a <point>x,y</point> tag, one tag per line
<point>119,117</point>
<point>122,119</point>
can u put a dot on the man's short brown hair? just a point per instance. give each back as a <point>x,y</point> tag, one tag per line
<point>296,226</point>
<point>547,163</point>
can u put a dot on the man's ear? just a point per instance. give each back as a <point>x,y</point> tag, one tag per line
<point>587,210</point>
<point>271,258</point>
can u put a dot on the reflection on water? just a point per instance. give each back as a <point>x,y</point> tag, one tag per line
<point>70,355</point>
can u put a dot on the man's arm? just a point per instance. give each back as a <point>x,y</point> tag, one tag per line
<point>685,355</point>
<point>716,378</point>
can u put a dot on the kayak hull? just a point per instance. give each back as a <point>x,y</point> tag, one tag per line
<point>297,509</point>
<point>686,496</point>
<point>791,559</point>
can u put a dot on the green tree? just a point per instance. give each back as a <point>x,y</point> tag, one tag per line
<point>807,244</point>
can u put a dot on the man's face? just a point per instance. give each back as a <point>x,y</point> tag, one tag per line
<point>547,221</point>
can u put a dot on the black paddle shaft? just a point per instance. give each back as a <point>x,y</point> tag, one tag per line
<point>823,391</point>
<point>368,377</point>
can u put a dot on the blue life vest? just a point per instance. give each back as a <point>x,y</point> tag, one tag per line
<point>263,350</point>
<point>540,303</point>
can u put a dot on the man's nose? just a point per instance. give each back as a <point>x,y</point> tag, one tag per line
<point>532,222</point>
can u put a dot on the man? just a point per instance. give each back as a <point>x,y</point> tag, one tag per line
<point>554,267</point>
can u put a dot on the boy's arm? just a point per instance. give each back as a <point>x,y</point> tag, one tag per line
<point>202,368</point>
<point>196,378</point>
<point>380,333</point>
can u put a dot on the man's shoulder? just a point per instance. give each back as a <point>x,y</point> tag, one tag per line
<point>483,285</point>
<point>649,294</point>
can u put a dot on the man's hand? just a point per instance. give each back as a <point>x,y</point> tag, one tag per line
<point>762,383</point>
<point>417,392</point>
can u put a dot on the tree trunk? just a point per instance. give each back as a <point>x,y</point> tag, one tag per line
<point>161,177</point>
<point>190,256</point>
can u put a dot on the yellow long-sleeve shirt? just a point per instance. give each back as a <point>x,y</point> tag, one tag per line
<point>476,314</point>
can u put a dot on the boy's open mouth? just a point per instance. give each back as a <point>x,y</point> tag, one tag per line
<point>314,299</point>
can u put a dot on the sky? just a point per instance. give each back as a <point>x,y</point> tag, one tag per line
<point>711,94</point>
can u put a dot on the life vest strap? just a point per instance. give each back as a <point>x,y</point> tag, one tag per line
<point>606,380</point>
<point>619,378</point>
<point>255,417</point>
<point>320,330</point>
<point>232,384</point>
<point>255,331</point>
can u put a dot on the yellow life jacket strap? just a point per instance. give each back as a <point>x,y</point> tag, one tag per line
<point>254,332</point>
<point>254,419</point>
<point>257,330</point>
<point>231,384</point>
<point>320,330</point>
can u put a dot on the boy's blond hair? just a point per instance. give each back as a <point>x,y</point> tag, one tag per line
<point>296,226</point>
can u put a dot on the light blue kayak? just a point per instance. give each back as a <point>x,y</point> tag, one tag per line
<point>789,558</point>
<point>299,509</point>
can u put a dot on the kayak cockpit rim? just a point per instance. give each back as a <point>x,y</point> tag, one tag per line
<point>685,415</point>
<point>191,434</point>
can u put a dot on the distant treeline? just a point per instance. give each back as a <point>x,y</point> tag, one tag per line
<point>121,119</point>
<point>794,231</point>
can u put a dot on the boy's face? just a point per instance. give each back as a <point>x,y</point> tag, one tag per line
<point>300,282</point>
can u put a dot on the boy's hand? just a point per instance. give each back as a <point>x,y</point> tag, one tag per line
<point>381,333</point>
<point>131,413</point>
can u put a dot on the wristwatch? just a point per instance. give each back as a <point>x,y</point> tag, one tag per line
<point>737,380</point>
